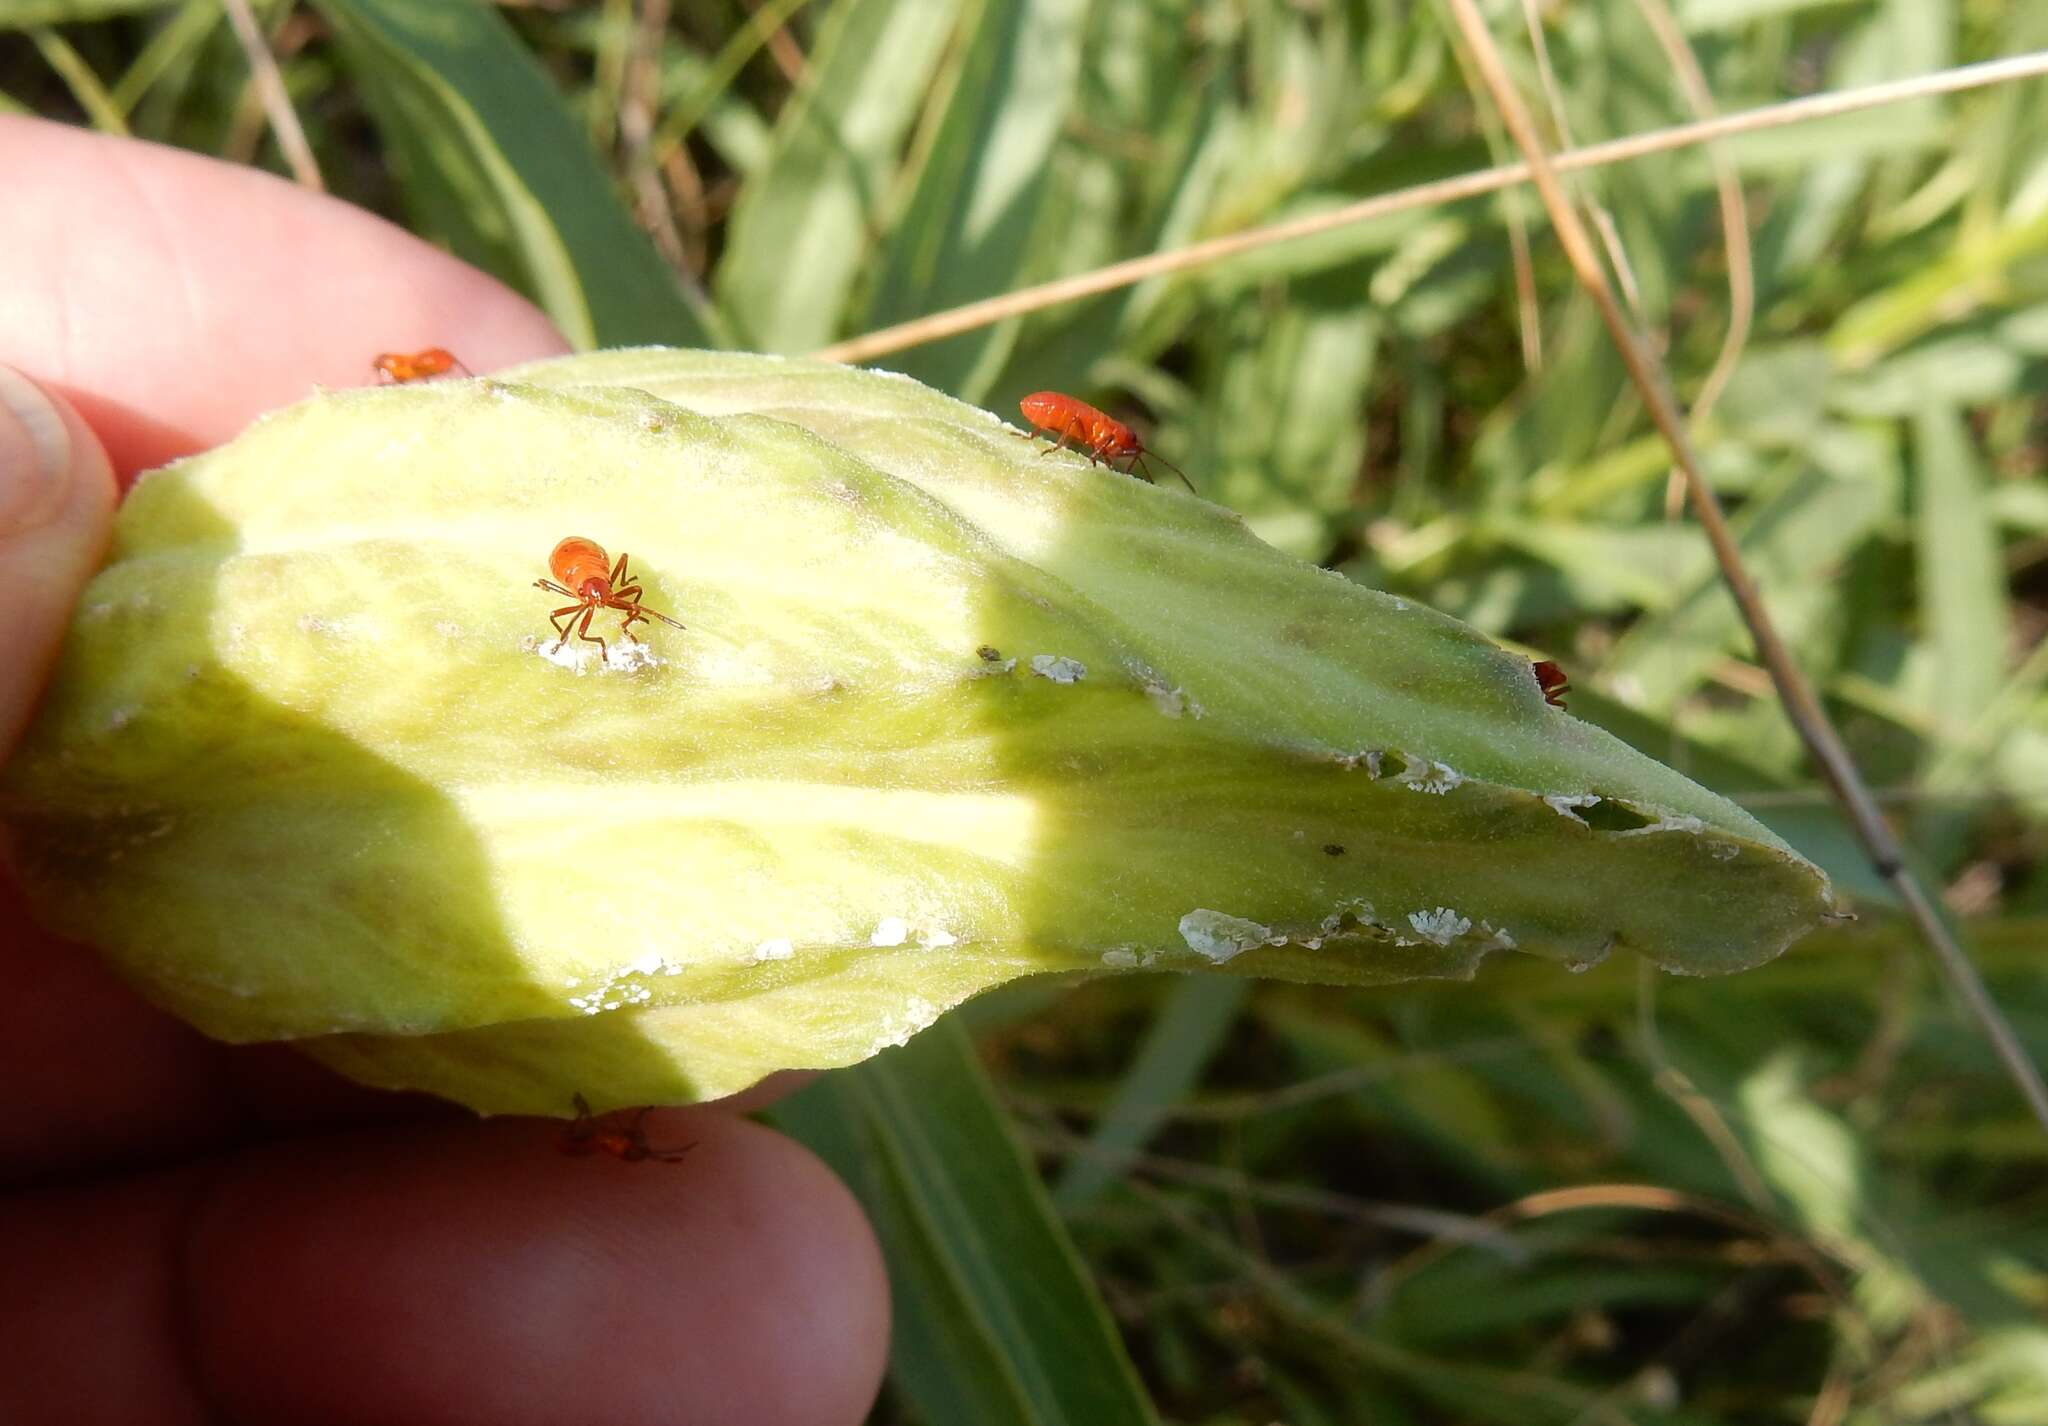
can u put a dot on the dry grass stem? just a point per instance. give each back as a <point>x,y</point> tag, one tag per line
<point>1676,1085</point>
<point>1801,705</point>
<point>1692,83</point>
<point>1560,121</point>
<point>1528,309</point>
<point>637,97</point>
<point>277,103</point>
<point>782,47</point>
<point>1418,1219</point>
<point>763,27</point>
<point>975,315</point>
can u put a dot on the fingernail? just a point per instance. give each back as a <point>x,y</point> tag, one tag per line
<point>35,454</point>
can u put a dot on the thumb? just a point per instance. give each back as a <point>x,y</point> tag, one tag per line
<point>56,503</point>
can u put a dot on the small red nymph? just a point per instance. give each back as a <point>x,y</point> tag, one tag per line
<point>392,367</point>
<point>601,1134</point>
<point>583,572</point>
<point>1552,680</point>
<point>1097,434</point>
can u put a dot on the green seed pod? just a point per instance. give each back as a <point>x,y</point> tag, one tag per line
<point>947,712</point>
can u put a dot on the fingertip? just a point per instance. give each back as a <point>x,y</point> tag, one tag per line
<point>56,506</point>
<point>475,1273</point>
<point>171,329</point>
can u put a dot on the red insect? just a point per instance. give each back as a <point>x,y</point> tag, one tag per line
<point>597,1134</point>
<point>583,572</point>
<point>1098,435</point>
<point>394,367</point>
<point>1552,680</point>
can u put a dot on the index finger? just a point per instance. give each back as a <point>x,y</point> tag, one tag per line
<point>172,298</point>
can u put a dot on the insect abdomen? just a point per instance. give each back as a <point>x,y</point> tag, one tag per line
<point>1061,414</point>
<point>576,561</point>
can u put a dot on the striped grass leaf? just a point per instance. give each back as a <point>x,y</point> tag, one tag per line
<point>967,230</point>
<point>1192,1021</point>
<point>1965,616</point>
<point>28,14</point>
<point>806,223</point>
<point>996,1320</point>
<point>1282,442</point>
<point>493,163</point>
<point>1792,533</point>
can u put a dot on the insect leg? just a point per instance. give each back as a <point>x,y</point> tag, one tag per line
<point>561,625</point>
<point>638,613</point>
<point>579,1130</point>
<point>576,1134</point>
<point>643,1150</point>
<point>619,569</point>
<point>604,653</point>
<point>627,602</point>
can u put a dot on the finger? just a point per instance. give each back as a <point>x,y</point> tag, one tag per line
<point>97,1076</point>
<point>56,506</point>
<point>172,328</point>
<point>214,293</point>
<point>92,1067</point>
<point>446,1275</point>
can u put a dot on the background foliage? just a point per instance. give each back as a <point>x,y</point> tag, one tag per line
<point>1805,1194</point>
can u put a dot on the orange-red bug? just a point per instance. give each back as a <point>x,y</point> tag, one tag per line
<point>1098,435</point>
<point>416,366</point>
<point>584,573</point>
<point>591,1133</point>
<point>1552,680</point>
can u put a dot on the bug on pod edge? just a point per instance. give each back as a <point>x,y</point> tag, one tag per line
<point>590,1133</point>
<point>1097,434</point>
<point>393,368</point>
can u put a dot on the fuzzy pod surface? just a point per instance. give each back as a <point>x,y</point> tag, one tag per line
<point>947,712</point>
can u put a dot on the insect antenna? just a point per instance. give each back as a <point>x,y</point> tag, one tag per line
<point>1154,455</point>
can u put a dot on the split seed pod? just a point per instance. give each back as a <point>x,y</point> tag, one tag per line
<point>947,713</point>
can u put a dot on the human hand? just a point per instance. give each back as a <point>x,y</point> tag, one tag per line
<point>200,1232</point>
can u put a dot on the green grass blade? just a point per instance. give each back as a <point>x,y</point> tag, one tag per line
<point>1962,589</point>
<point>1935,292</point>
<point>85,86</point>
<point>174,42</point>
<point>1282,437</point>
<point>494,163</point>
<point>1192,1022</point>
<point>804,225</point>
<point>724,67</point>
<point>27,14</point>
<point>996,1321</point>
<point>1964,614</point>
<point>966,233</point>
<point>1792,535</point>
